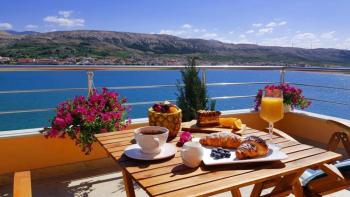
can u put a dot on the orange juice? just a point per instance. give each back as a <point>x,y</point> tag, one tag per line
<point>271,109</point>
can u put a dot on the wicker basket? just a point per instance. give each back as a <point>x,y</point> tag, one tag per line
<point>171,121</point>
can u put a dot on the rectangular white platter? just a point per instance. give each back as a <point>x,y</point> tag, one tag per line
<point>273,155</point>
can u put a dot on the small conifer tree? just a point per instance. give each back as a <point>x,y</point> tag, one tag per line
<point>192,95</point>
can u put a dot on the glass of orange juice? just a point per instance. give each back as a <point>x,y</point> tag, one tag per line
<point>272,108</point>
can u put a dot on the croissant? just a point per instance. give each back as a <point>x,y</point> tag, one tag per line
<point>221,139</point>
<point>252,147</point>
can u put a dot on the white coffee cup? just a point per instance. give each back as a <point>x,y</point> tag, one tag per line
<point>151,143</point>
<point>192,154</point>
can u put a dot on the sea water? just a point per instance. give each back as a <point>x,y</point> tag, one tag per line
<point>78,79</point>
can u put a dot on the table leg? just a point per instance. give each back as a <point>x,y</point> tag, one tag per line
<point>257,190</point>
<point>236,193</point>
<point>297,189</point>
<point>128,184</point>
<point>287,183</point>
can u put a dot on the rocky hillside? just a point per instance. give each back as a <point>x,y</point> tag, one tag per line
<point>103,44</point>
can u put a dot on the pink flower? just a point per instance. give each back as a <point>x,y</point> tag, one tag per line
<point>60,123</point>
<point>117,115</point>
<point>68,119</point>
<point>100,110</point>
<point>52,133</point>
<point>104,90</point>
<point>79,100</point>
<point>90,118</point>
<point>103,130</point>
<point>80,110</point>
<point>77,130</point>
<point>117,126</point>
<point>185,137</point>
<point>112,95</point>
<point>291,96</point>
<point>106,117</point>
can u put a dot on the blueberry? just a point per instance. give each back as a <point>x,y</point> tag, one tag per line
<point>220,153</point>
<point>218,157</point>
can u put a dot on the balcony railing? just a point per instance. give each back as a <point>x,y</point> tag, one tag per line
<point>90,69</point>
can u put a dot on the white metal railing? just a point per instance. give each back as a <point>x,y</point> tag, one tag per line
<point>123,87</point>
<point>91,68</point>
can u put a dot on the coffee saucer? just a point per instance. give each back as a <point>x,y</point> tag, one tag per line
<point>134,152</point>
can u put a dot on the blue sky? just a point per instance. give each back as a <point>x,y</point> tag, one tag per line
<point>301,23</point>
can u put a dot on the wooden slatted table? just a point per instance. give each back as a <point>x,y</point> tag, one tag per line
<point>170,177</point>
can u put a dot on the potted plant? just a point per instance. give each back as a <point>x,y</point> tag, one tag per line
<point>292,97</point>
<point>83,117</point>
<point>192,95</point>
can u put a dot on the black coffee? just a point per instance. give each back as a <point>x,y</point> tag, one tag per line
<point>152,132</point>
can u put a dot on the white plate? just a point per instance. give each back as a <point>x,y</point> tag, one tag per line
<point>273,155</point>
<point>134,152</point>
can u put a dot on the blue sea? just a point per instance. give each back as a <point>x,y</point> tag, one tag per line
<point>78,79</point>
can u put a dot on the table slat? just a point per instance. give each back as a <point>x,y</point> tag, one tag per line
<point>223,185</point>
<point>116,136</point>
<point>179,167</point>
<point>113,133</point>
<point>210,175</point>
<point>137,166</point>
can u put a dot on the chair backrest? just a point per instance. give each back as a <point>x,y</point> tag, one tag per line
<point>339,136</point>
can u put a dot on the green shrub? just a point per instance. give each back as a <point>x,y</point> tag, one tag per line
<point>192,95</point>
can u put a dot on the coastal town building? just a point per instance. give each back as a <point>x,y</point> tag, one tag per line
<point>5,60</point>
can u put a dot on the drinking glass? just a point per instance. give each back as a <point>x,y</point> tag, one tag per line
<point>272,109</point>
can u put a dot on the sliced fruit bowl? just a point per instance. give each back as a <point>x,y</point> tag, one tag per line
<point>166,115</point>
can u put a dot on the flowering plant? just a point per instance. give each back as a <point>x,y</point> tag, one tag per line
<point>83,117</point>
<point>291,96</point>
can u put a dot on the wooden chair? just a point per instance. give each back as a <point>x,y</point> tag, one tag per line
<point>329,179</point>
<point>333,177</point>
<point>22,186</point>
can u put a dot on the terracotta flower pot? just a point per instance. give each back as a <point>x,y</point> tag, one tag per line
<point>171,121</point>
<point>287,108</point>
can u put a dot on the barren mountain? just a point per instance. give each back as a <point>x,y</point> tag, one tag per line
<point>102,44</point>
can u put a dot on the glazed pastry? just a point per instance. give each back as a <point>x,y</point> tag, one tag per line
<point>221,139</point>
<point>208,118</point>
<point>252,147</point>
